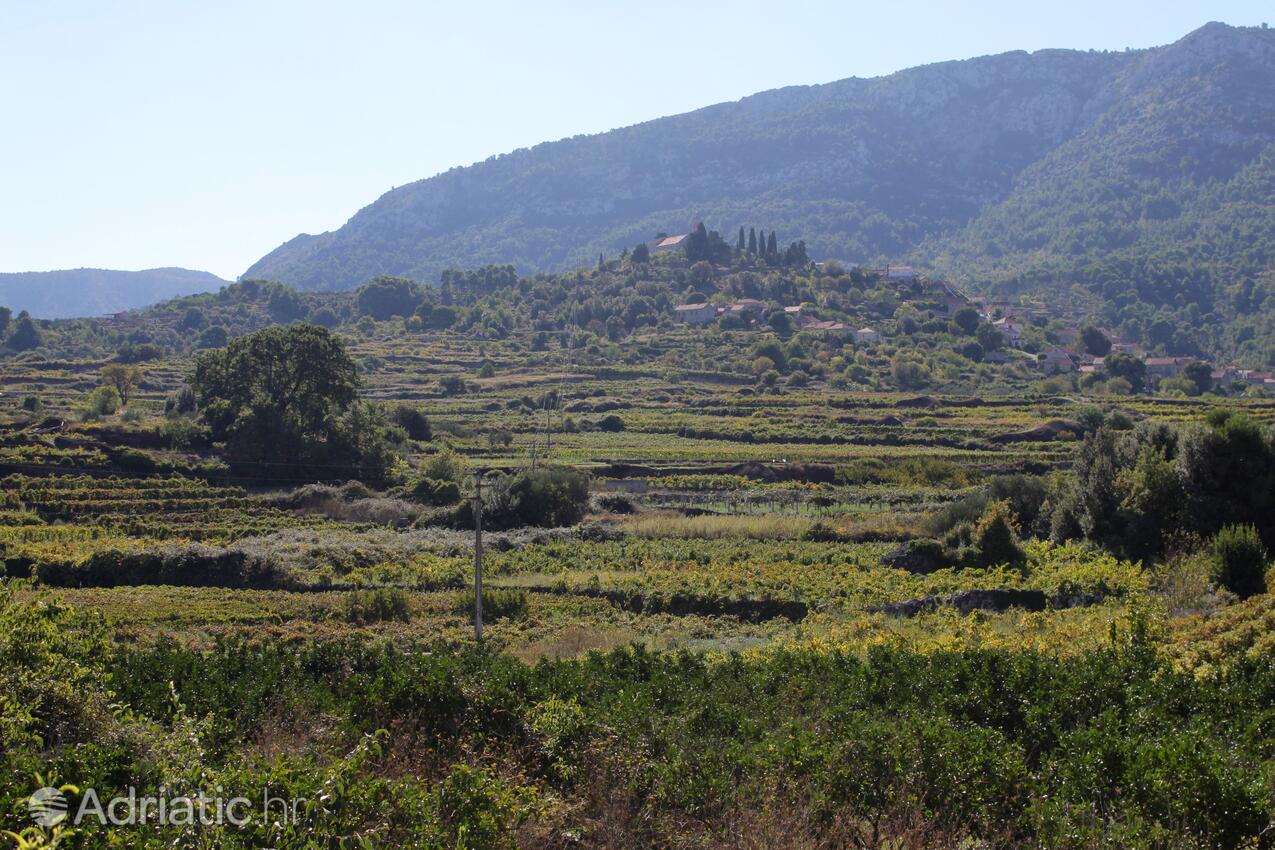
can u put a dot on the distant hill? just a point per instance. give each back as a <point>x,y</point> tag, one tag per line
<point>94,292</point>
<point>989,166</point>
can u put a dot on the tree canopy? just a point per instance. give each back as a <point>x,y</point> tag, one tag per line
<point>385,297</point>
<point>284,401</point>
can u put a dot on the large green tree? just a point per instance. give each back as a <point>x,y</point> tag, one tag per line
<point>284,400</point>
<point>384,297</point>
<point>26,334</point>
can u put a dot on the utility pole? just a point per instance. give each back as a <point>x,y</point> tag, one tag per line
<point>478,555</point>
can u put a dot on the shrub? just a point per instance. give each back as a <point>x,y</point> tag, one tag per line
<point>192,566</point>
<point>481,812</point>
<point>133,353</point>
<point>820,532</point>
<point>611,423</point>
<point>411,420</point>
<point>387,296</point>
<point>181,402</point>
<point>103,401</point>
<point>498,603</point>
<point>444,465</point>
<point>430,491</point>
<point>548,497</point>
<point>452,385</point>
<point>351,502</point>
<point>135,460</point>
<point>996,536</point>
<point>183,433</point>
<point>1240,560</point>
<point>375,606</point>
<point>616,504</point>
<point>1027,495</point>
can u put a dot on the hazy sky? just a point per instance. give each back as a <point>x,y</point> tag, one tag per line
<point>142,134</point>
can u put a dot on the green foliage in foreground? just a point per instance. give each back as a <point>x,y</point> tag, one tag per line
<point>1012,746</point>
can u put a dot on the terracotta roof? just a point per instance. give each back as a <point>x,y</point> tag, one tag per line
<point>689,307</point>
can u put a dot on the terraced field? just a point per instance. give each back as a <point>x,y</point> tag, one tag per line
<point>728,482</point>
<point>762,576</point>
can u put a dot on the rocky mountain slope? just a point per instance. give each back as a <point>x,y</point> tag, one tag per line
<point>928,164</point>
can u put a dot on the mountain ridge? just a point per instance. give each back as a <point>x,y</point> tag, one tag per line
<point>845,144</point>
<point>73,293</point>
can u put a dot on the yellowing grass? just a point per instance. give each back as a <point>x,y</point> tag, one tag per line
<point>762,527</point>
<point>1059,633</point>
<point>865,526</point>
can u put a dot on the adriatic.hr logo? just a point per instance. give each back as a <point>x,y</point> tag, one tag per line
<point>47,806</point>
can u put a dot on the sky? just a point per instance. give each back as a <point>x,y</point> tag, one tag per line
<point>203,134</point>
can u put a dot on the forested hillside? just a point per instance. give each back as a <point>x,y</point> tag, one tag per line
<point>1161,207</point>
<point>991,167</point>
<point>860,168</point>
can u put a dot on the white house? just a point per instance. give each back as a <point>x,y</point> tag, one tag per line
<point>863,335</point>
<point>837,329</point>
<point>695,314</point>
<point>1057,361</point>
<point>746,306</point>
<point>1010,329</point>
<point>1166,367</point>
<point>669,243</point>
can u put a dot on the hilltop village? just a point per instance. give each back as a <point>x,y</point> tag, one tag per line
<point>756,311</point>
<point>1005,330</point>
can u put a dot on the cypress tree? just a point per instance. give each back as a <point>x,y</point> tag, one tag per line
<point>752,241</point>
<point>772,246</point>
<point>739,243</point>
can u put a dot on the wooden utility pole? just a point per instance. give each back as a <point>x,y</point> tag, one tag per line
<point>478,555</point>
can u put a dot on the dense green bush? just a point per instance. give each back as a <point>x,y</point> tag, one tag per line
<point>429,491</point>
<point>498,603</point>
<point>385,297</point>
<point>611,423</point>
<point>995,536</point>
<point>1240,560</point>
<point>374,606</point>
<point>1131,489</point>
<point>196,566</point>
<point>1001,745</point>
<point>1013,748</point>
<point>548,496</point>
<point>412,420</point>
